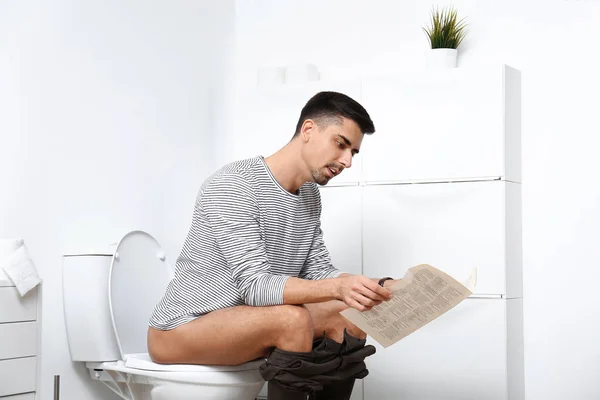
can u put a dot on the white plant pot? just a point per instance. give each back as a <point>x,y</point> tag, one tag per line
<point>442,58</point>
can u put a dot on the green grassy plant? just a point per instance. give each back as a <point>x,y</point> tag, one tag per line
<point>446,30</point>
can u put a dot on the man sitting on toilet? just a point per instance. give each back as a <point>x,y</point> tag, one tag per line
<point>254,278</point>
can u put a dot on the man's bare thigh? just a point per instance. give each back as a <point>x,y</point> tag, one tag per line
<point>240,334</point>
<point>228,336</point>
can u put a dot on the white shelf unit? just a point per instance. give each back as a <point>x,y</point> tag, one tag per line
<point>439,182</point>
<point>19,343</point>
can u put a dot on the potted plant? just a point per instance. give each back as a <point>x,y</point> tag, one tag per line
<point>445,35</point>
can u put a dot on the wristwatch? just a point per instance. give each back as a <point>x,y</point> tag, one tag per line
<point>382,280</point>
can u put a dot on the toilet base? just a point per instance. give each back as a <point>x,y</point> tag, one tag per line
<point>128,386</point>
<point>183,391</point>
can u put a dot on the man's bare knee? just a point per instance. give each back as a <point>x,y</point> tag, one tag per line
<point>294,330</point>
<point>296,319</point>
<point>327,319</point>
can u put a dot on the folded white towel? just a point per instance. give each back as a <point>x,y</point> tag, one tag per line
<point>20,269</point>
<point>7,248</point>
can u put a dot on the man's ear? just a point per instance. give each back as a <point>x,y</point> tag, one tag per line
<point>308,128</point>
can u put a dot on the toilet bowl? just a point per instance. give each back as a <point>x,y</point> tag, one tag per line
<point>138,377</point>
<point>109,295</point>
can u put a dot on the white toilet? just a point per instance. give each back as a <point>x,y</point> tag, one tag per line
<point>108,298</point>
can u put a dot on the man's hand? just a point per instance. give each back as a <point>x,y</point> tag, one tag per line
<point>360,292</point>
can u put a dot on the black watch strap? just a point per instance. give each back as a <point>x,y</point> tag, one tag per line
<point>382,280</point>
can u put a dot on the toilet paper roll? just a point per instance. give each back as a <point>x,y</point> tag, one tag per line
<point>271,76</point>
<point>301,73</point>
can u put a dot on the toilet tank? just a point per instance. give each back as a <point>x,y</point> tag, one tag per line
<point>90,332</point>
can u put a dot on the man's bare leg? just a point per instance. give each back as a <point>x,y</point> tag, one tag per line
<point>326,318</point>
<point>239,334</point>
<point>233,336</point>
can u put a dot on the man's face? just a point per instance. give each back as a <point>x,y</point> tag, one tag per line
<point>330,147</point>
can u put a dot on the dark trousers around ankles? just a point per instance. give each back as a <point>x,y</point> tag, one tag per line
<point>325,373</point>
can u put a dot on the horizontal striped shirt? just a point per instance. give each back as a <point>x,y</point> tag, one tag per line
<point>248,235</point>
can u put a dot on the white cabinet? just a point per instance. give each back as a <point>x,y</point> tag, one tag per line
<point>452,226</point>
<point>266,118</point>
<point>438,183</point>
<point>464,354</point>
<point>442,186</point>
<point>19,343</point>
<point>341,225</point>
<point>443,125</point>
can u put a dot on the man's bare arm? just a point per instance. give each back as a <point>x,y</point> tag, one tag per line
<point>356,291</point>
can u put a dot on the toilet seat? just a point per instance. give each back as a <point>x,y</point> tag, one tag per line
<point>140,368</point>
<point>122,373</point>
<point>142,361</point>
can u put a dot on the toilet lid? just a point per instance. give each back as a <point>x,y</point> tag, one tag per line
<point>139,275</point>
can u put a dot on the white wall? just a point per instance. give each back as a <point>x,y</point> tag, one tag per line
<point>554,44</point>
<point>108,111</point>
<point>76,79</point>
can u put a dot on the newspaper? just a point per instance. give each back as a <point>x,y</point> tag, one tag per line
<point>421,296</point>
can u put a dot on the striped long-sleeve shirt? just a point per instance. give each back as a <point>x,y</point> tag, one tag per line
<point>247,237</point>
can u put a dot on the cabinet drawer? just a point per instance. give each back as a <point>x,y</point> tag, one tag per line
<point>462,355</point>
<point>17,376</point>
<point>24,396</point>
<point>454,227</point>
<point>440,135</point>
<point>14,308</point>
<point>18,340</point>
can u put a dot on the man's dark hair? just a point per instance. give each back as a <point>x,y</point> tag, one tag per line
<point>329,108</point>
